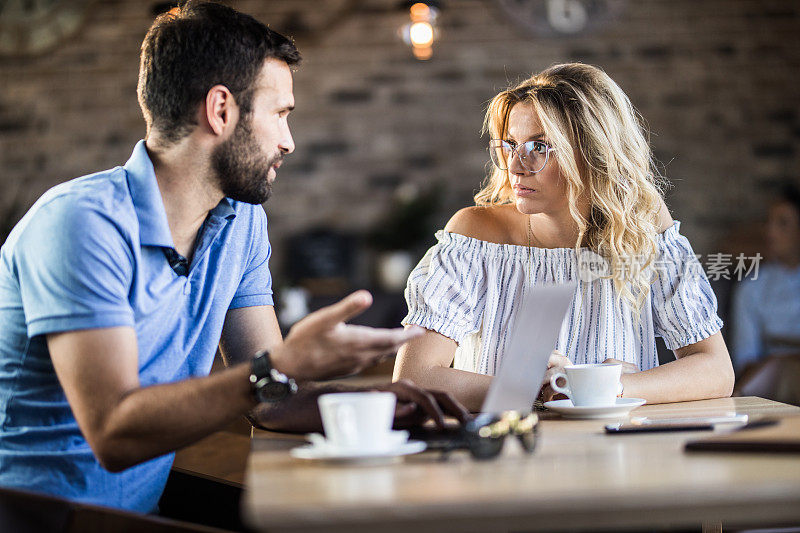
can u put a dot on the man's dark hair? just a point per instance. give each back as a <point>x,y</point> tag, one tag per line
<point>790,194</point>
<point>189,50</point>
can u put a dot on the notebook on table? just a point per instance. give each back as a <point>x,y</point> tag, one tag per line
<point>533,338</point>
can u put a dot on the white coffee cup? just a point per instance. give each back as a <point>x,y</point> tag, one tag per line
<point>358,420</point>
<point>593,385</point>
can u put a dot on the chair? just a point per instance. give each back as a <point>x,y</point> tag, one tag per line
<point>30,512</point>
<point>775,377</point>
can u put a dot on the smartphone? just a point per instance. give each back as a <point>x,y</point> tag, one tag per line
<point>627,427</point>
<point>644,424</point>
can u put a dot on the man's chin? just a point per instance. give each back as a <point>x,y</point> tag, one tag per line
<point>251,197</point>
<point>258,199</point>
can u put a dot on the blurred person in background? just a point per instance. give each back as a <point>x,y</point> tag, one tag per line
<point>573,175</point>
<point>766,310</point>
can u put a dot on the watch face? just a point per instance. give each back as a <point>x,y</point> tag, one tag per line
<point>273,391</point>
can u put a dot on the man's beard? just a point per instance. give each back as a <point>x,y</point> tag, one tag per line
<point>241,168</point>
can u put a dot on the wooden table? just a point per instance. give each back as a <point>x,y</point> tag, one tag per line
<point>221,457</point>
<point>578,479</point>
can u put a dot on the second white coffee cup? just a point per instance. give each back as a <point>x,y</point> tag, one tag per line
<point>358,420</point>
<point>591,385</point>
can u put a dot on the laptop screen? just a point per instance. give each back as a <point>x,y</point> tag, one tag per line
<point>533,338</point>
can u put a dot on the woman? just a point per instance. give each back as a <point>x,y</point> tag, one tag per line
<point>572,174</point>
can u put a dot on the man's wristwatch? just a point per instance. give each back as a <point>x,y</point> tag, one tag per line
<point>268,384</point>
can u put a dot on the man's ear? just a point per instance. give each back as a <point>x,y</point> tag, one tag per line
<point>221,110</point>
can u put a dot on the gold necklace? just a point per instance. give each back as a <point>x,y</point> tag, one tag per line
<point>530,231</point>
<point>530,253</point>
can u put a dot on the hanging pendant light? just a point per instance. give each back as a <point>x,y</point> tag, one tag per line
<point>421,32</point>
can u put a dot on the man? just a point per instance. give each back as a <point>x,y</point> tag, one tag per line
<point>116,288</point>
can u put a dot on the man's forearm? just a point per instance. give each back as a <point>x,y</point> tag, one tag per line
<point>469,388</point>
<point>299,412</point>
<point>155,420</point>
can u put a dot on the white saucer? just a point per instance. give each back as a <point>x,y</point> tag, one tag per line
<point>621,408</point>
<point>321,449</point>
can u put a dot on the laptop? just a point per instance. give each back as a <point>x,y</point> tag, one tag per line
<point>533,338</point>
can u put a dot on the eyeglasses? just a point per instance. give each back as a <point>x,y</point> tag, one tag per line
<point>486,434</point>
<point>532,155</point>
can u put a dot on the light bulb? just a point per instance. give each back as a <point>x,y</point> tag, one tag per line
<point>421,34</point>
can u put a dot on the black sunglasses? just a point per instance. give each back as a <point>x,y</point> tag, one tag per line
<point>485,435</point>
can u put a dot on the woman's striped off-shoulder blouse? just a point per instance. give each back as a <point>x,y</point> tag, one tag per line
<point>463,289</point>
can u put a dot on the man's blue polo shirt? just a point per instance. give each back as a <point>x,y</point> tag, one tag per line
<point>90,254</point>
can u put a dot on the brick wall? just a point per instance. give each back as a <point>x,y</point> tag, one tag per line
<point>716,81</point>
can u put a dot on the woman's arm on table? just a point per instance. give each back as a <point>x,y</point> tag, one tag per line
<point>426,361</point>
<point>701,370</point>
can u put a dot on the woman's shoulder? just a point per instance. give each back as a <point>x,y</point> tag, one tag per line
<point>485,223</point>
<point>665,220</point>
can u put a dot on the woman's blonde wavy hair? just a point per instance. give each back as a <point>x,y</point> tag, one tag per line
<point>602,149</point>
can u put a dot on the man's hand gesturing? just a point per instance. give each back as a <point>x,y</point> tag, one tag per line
<point>322,346</point>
